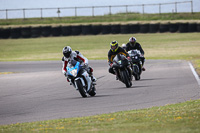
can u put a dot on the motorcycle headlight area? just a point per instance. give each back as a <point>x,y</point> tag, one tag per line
<point>74,72</point>
<point>131,54</point>
<point>120,62</point>
<point>136,57</point>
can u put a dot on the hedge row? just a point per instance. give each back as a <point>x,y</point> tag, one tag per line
<point>45,31</point>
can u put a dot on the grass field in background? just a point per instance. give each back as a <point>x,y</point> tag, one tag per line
<point>176,118</point>
<point>120,17</point>
<point>183,46</point>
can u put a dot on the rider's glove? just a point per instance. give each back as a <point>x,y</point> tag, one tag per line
<point>85,65</point>
<point>129,58</point>
<point>65,73</point>
<point>111,65</point>
<point>68,80</point>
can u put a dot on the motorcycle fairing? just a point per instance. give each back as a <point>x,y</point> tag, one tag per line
<point>73,70</point>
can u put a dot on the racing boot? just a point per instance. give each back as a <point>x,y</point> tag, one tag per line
<point>90,71</point>
<point>117,77</point>
<point>93,80</point>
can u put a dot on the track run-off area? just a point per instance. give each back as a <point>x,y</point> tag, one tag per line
<point>37,90</point>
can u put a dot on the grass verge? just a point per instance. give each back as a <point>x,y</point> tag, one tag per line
<point>182,117</point>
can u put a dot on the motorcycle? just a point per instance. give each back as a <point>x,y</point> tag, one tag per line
<point>137,63</point>
<point>122,68</point>
<point>80,79</point>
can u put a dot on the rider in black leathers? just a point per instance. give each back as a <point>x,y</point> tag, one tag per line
<point>115,49</point>
<point>132,45</point>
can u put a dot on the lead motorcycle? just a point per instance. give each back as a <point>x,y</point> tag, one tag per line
<point>137,63</point>
<point>122,68</point>
<point>80,79</point>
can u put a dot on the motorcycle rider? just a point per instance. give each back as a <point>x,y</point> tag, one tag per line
<point>132,45</point>
<point>124,46</point>
<point>69,55</point>
<point>115,49</point>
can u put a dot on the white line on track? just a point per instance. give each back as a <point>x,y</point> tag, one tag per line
<point>194,73</point>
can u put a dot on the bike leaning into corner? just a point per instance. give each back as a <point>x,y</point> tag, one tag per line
<point>80,79</point>
<point>122,68</point>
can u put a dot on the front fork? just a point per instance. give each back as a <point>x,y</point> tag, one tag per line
<point>129,68</point>
<point>72,82</point>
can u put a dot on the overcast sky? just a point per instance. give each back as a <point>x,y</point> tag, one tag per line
<point>18,4</point>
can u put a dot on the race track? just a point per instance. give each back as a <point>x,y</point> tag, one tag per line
<point>37,90</point>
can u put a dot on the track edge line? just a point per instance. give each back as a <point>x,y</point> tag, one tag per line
<point>194,73</point>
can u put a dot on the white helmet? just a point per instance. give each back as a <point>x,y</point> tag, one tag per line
<point>67,51</point>
<point>123,45</point>
<point>132,41</point>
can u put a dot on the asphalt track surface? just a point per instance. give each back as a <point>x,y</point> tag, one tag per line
<point>38,90</point>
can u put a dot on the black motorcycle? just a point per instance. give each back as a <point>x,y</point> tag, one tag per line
<point>122,68</point>
<point>137,63</point>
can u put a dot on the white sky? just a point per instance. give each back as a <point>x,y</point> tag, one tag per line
<point>18,4</point>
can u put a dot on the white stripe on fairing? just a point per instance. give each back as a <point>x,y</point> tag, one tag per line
<point>194,73</point>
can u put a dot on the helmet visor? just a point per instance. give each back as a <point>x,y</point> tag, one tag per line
<point>67,54</point>
<point>113,47</point>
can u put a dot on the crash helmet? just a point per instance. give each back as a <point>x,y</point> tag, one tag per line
<point>67,51</point>
<point>132,41</point>
<point>114,46</point>
<point>124,46</point>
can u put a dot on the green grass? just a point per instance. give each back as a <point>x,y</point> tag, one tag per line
<point>176,118</point>
<point>179,46</point>
<point>121,17</point>
<point>184,46</point>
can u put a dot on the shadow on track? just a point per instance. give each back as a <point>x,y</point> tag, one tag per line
<point>97,96</point>
<point>151,79</point>
<point>133,87</point>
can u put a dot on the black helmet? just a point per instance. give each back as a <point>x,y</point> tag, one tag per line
<point>114,46</point>
<point>67,51</point>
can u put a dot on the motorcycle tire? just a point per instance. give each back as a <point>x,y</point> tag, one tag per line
<point>81,89</point>
<point>137,77</point>
<point>93,91</point>
<point>137,72</point>
<point>125,79</point>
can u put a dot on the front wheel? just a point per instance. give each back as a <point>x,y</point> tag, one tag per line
<point>136,72</point>
<point>137,77</point>
<point>125,78</point>
<point>81,89</point>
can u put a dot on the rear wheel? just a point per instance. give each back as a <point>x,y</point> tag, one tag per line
<point>81,89</point>
<point>93,91</point>
<point>125,79</point>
